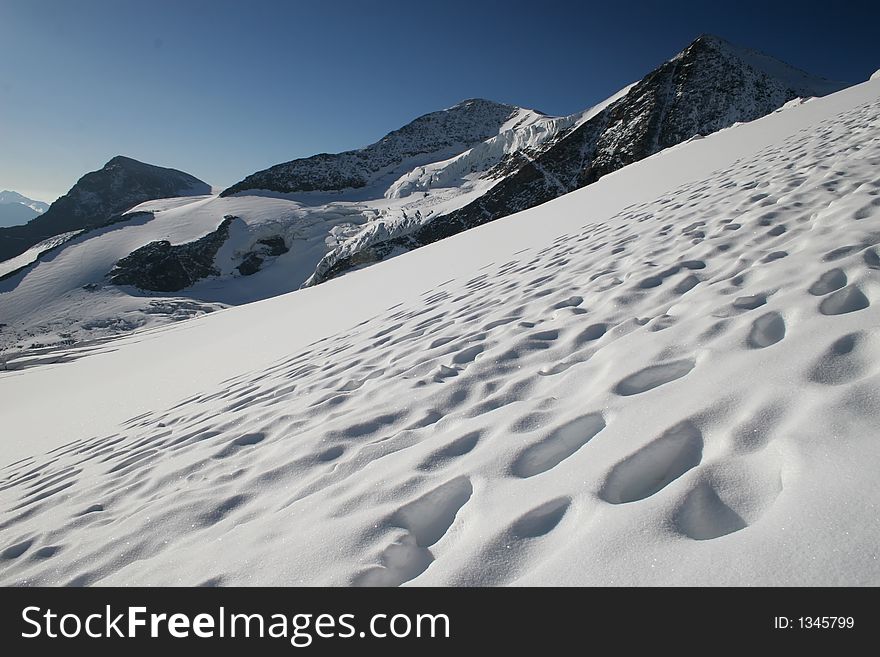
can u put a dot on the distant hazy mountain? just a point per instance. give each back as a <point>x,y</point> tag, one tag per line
<point>17,209</point>
<point>98,198</point>
<point>7,196</point>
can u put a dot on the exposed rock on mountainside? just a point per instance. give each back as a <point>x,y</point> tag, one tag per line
<point>163,267</point>
<point>269,247</point>
<point>448,132</point>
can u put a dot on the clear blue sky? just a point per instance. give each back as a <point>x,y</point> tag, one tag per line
<point>223,88</point>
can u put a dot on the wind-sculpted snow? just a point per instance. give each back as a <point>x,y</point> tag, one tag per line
<point>672,391</point>
<point>10,267</point>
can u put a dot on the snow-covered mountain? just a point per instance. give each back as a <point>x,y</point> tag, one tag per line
<point>306,221</point>
<point>100,198</point>
<point>429,138</point>
<point>478,161</point>
<point>668,377</point>
<point>709,86</point>
<point>17,209</point>
<point>7,196</point>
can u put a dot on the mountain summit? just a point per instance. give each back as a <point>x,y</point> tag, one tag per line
<point>7,197</point>
<point>98,198</point>
<point>438,135</point>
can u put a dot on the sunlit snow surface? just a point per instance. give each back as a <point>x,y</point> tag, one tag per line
<point>669,377</point>
<point>7,267</point>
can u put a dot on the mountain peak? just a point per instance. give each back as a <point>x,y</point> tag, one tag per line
<point>430,137</point>
<point>712,43</point>
<point>711,39</point>
<point>122,160</point>
<point>101,197</point>
<point>17,209</point>
<point>129,163</point>
<point>708,47</point>
<point>9,196</point>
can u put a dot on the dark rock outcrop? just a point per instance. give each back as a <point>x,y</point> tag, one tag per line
<point>250,265</point>
<point>268,247</point>
<point>163,267</point>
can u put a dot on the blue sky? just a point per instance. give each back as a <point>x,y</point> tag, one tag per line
<point>221,89</point>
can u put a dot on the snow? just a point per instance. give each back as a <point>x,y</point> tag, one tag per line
<point>876,75</point>
<point>461,176</point>
<point>530,131</point>
<point>668,377</point>
<point>29,256</point>
<point>431,137</point>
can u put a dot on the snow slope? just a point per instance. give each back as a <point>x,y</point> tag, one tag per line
<point>61,298</point>
<point>7,267</point>
<point>667,377</point>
